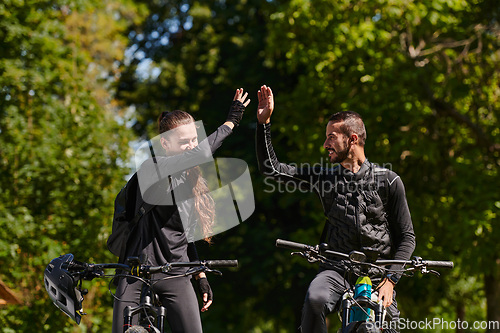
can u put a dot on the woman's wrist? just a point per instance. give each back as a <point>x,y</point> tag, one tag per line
<point>229,124</point>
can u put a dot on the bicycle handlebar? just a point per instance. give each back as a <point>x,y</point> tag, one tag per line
<point>437,264</point>
<point>221,263</point>
<point>203,263</point>
<point>89,268</point>
<point>304,247</point>
<point>293,246</point>
<point>63,274</point>
<point>381,262</point>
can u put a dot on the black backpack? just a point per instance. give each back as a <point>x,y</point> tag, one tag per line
<point>125,218</point>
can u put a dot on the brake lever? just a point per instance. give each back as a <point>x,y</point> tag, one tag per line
<point>434,272</point>
<point>307,255</point>
<point>424,270</point>
<point>300,254</point>
<point>91,273</point>
<point>199,269</point>
<point>195,270</point>
<point>216,272</point>
<point>419,264</point>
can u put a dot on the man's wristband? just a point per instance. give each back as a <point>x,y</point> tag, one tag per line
<point>393,278</point>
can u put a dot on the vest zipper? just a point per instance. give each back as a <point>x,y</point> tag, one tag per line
<point>358,224</point>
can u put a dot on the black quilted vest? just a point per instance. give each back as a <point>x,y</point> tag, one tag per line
<point>355,209</point>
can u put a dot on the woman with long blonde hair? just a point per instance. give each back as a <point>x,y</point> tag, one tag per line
<point>164,234</point>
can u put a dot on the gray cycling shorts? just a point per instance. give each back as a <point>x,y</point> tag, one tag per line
<point>325,296</point>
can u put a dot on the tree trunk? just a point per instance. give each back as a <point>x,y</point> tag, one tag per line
<point>460,317</point>
<point>492,288</point>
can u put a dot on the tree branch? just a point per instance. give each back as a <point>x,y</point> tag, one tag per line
<point>445,108</point>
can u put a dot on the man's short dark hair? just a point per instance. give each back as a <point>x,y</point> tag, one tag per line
<point>351,123</point>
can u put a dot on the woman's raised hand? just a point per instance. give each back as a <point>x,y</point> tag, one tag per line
<point>239,96</point>
<point>237,107</point>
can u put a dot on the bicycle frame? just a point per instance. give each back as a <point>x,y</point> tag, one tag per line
<point>356,309</point>
<point>351,318</point>
<point>149,315</point>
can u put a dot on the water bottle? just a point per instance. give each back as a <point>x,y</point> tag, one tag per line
<point>363,287</point>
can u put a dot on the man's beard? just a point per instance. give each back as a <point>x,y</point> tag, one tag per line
<point>341,156</point>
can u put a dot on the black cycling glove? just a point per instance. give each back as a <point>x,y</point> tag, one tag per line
<point>236,113</point>
<point>204,288</point>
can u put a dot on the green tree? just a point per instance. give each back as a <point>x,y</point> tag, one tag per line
<point>423,74</point>
<point>198,53</point>
<point>62,150</point>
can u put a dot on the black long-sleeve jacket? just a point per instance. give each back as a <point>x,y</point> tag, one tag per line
<point>165,234</point>
<point>365,209</point>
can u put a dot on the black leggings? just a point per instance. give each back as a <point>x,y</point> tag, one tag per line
<point>177,296</point>
<point>322,298</point>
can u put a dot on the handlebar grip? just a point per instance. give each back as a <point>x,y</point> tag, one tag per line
<point>438,264</point>
<point>221,263</point>
<point>292,245</point>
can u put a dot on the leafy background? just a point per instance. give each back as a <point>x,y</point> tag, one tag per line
<point>83,81</point>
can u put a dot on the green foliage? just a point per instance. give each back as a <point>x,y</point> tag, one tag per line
<point>61,149</point>
<point>423,74</point>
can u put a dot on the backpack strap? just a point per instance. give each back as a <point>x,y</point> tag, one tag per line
<point>324,233</point>
<point>327,202</point>
<point>381,178</point>
<point>143,210</point>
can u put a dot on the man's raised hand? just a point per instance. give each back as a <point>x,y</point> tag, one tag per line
<point>266,105</point>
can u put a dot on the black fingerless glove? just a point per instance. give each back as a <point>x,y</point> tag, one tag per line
<point>236,113</point>
<point>204,288</point>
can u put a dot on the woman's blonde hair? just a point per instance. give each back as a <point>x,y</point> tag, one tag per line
<point>203,202</point>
